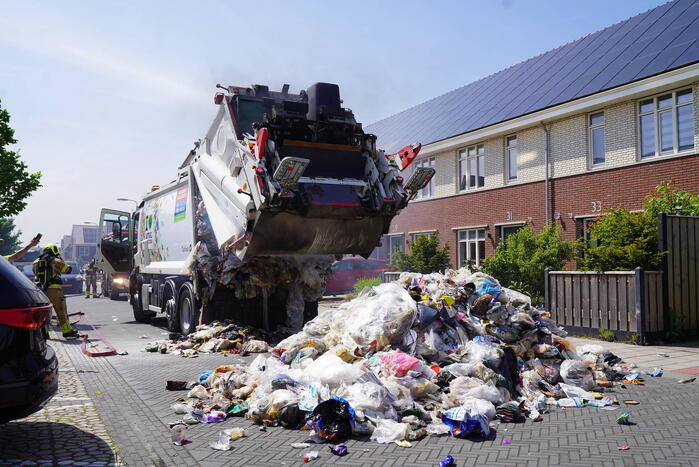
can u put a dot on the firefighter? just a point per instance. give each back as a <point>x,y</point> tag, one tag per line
<point>91,279</point>
<point>47,271</point>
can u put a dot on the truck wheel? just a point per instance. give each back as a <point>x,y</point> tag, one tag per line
<point>113,294</point>
<point>136,304</point>
<point>170,308</point>
<point>188,309</point>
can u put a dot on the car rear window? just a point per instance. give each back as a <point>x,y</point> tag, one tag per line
<point>14,285</point>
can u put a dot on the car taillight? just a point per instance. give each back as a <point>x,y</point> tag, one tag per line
<point>32,317</point>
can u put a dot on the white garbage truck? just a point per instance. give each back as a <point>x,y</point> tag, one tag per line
<point>280,185</point>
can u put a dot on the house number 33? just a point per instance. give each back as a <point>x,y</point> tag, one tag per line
<point>596,206</point>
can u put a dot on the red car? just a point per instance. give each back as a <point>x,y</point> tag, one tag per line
<point>347,271</point>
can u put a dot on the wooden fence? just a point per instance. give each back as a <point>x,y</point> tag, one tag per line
<point>620,301</point>
<point>638,302</point>
<point>679,236</point>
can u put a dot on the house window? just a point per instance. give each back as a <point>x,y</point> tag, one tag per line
<point>395,243</point>
<point>666,123</point>
<point>472,167</point>
<point>511,151</point>
<point>505,231</point>
<point>84,252</point>
<point>429,188</point>
<point>415,235</point>
<point>90,235</point>
<point>471,246</point>
<point>596,136</point>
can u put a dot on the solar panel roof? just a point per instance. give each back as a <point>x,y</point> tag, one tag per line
<point>653,42</point>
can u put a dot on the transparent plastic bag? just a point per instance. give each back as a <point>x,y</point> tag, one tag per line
<point>331,370</point>
<point>576,373</point>
<point>387,431</point>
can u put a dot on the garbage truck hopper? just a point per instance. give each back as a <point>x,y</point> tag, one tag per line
<point>300,169</point>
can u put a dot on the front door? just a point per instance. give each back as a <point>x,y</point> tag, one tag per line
<point>114,241</point>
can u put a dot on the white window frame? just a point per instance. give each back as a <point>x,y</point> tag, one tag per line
<point>591,141</point>
<point>391,250</point>
<point>480,235</point>
<point>467,155</point>
<point>674,106</point>
<point>500,227</point>
<point>424,233</point>
<point>428,191</point>
<point>508,148</point>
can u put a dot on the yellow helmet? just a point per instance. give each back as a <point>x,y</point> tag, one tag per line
<point>53,249</point>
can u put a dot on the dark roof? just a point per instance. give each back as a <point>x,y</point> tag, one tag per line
<point>653,42</point>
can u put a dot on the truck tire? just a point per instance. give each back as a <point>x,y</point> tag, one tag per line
<point>170,307</point>
<point>188,309</point>
<point>136,304</point>
<point>113,294</point>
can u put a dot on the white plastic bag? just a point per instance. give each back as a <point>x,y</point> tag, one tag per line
<point>387,431</point>
<point>331,370</point>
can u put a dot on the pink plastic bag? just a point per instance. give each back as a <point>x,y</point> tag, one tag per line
<point>397,363</point>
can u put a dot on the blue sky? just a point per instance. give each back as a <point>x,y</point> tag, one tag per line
<point>107,98</point>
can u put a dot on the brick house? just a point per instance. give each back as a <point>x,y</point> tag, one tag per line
<point>610,115</point>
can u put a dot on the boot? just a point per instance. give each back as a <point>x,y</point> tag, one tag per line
<point>73,334</point>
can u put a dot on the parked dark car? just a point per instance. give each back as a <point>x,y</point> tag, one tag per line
<point>347,271</point>
<point>72,282</point>
<point>28,365</point>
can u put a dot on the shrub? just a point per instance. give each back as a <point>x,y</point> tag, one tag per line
<point>361,284</point>
<point>519,262</point>
<point>622,241</point>
<point>606,335</point>
<point>425,256</point>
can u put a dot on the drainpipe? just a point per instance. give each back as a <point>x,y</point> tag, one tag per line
<point>546,169</point>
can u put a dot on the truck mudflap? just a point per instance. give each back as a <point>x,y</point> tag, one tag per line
<point>284,233</point>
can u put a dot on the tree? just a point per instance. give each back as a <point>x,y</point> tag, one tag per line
<point>670,201</point>
<point>622,241</point>
<point>519,261</point>
<point>425,256</point>
<point>10,237</point>
<point>16,183</point>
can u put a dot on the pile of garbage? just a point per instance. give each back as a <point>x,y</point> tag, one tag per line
<point>433,354</point>
<point>226,337</point>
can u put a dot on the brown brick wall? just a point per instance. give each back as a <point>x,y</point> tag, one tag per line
<point>570,196</point>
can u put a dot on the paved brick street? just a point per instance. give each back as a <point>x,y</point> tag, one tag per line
<point>68,431</point>
<point>128,393</point>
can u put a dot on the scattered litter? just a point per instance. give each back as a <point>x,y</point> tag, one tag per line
<point>430,354</point>
<point>631,402</point>
<point>685,381</point>
<point>661,354</point>
<point>624,448</point>
<point>98,392</point>
<point>310,455</point>
<point>143,337</point>
<point>235,433</point>
<point>123,352</point>
<point>447,462</point>
<point>655,372</point>
<point>300,445</point>
<point>115,319</point>
<point>404,444</point>
<point>177,434</point>
<point>339,450</point>
<point>623,419</point>
<point>223,443</point>
<point>506,441</point>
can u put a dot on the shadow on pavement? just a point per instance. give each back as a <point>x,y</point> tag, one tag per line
<point>51,441</point>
